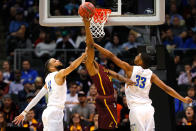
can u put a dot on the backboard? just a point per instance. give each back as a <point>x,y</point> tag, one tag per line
<point>124,12</point>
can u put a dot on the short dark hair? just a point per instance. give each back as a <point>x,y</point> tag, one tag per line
<point>72,83</point>
<point>146,60</point>
<point>47,71</point>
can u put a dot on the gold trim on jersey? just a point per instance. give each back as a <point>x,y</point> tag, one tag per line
<point>110,112</point>
<point>101,83</point>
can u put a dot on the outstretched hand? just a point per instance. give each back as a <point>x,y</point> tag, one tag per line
<point>187,100</point>
<point>18,119</point>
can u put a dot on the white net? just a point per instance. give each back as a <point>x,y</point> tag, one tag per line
<point>97,22</point>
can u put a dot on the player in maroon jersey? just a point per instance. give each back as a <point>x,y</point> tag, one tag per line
<point>102,78</point>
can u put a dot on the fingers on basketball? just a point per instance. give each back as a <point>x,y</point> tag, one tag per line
<point>86,10</point>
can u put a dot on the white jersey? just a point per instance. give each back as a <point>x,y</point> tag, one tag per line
<point>56,93</point>
<point>139,93</point>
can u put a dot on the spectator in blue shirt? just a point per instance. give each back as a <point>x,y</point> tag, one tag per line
<point>28,74</point>
<point>16,24</point>
<point>131,43</point>
<point>172,41</point>
<point>191,42</point>
<point>115,45</point>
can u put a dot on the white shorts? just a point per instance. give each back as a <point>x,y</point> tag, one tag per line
<point>142,118</point>
<point>52,118</point>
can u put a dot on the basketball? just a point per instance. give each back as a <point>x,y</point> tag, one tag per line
<point>86,10</point>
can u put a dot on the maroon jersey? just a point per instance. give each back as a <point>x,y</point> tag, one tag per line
<point>105,102</point>
<point>103,82</point>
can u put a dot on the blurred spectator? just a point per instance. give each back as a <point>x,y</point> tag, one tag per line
<point>177,28</point>
<point>85,110</point>
<point>76,123</point>
<point>194,64</point>
<point>124,113</point>
<point>189,118</point>
<point>72,97</point>
<point>28,74</point>
<point>186,77</point>
<point>81,38</point>
<point>92,94</point>
<point>38,83</point>
<point>67,43</point>
<point>174,13</point>
<point>191,42</point>
<point>28,87</point>
<point>83,80</point>
<point>70,6</point>
<point>171,41</point>
<point>19,20</point>
<point>114,46</point>
<point>119,106</point>
<point>9,108</point>
<point>34,29</point>
<point>46,47</point>
<point>16,85</point>
<point>59,37</point>
<point>179,65</point>
<point>3,123</point>
<point>71,101</point>
<point>194,82</point>
<point>3,86</point>
<point>131,42</point>
<point>17,40</point>
<point>94,127</point>
<point>41,38</point>
<point>7,73</point>
<point>30,121</point>
<point>192,94</point>
<point>102,59</point>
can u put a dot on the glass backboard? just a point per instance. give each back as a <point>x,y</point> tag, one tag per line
<point>124,12</point>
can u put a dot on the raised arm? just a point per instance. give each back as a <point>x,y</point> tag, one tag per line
<point>64,72</point>
<point>120,77</point>
<point>155,79</point>
<point>124,65</point>
<point>90,49</point>
<point>33,102</point>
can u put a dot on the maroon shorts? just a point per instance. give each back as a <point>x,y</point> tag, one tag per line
<point>107,111</point>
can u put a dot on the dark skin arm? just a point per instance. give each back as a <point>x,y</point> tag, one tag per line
<point>123,65</point>
<point>89,63</point>
<point>120,77</point>
<point>155,79</point>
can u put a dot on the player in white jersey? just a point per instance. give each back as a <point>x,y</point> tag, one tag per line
<point>141,113</point>
<point>55,86</point>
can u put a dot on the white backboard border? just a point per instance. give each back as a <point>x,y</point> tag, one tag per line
<point>115,20</point>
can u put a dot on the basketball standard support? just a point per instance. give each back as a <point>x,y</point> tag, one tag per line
<point>155,19</point>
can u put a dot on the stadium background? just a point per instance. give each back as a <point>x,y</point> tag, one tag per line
<point>23,41</point>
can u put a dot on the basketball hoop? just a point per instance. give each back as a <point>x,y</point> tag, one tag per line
<point>97,22</point>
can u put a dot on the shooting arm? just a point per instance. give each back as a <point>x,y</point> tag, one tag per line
<point>125,66</point>
<point>35,100</point>
<point>166,88</point>
<point>89,63</point>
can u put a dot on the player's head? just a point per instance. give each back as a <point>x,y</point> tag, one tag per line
<point>53,65</point>
<point>143,59</point>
